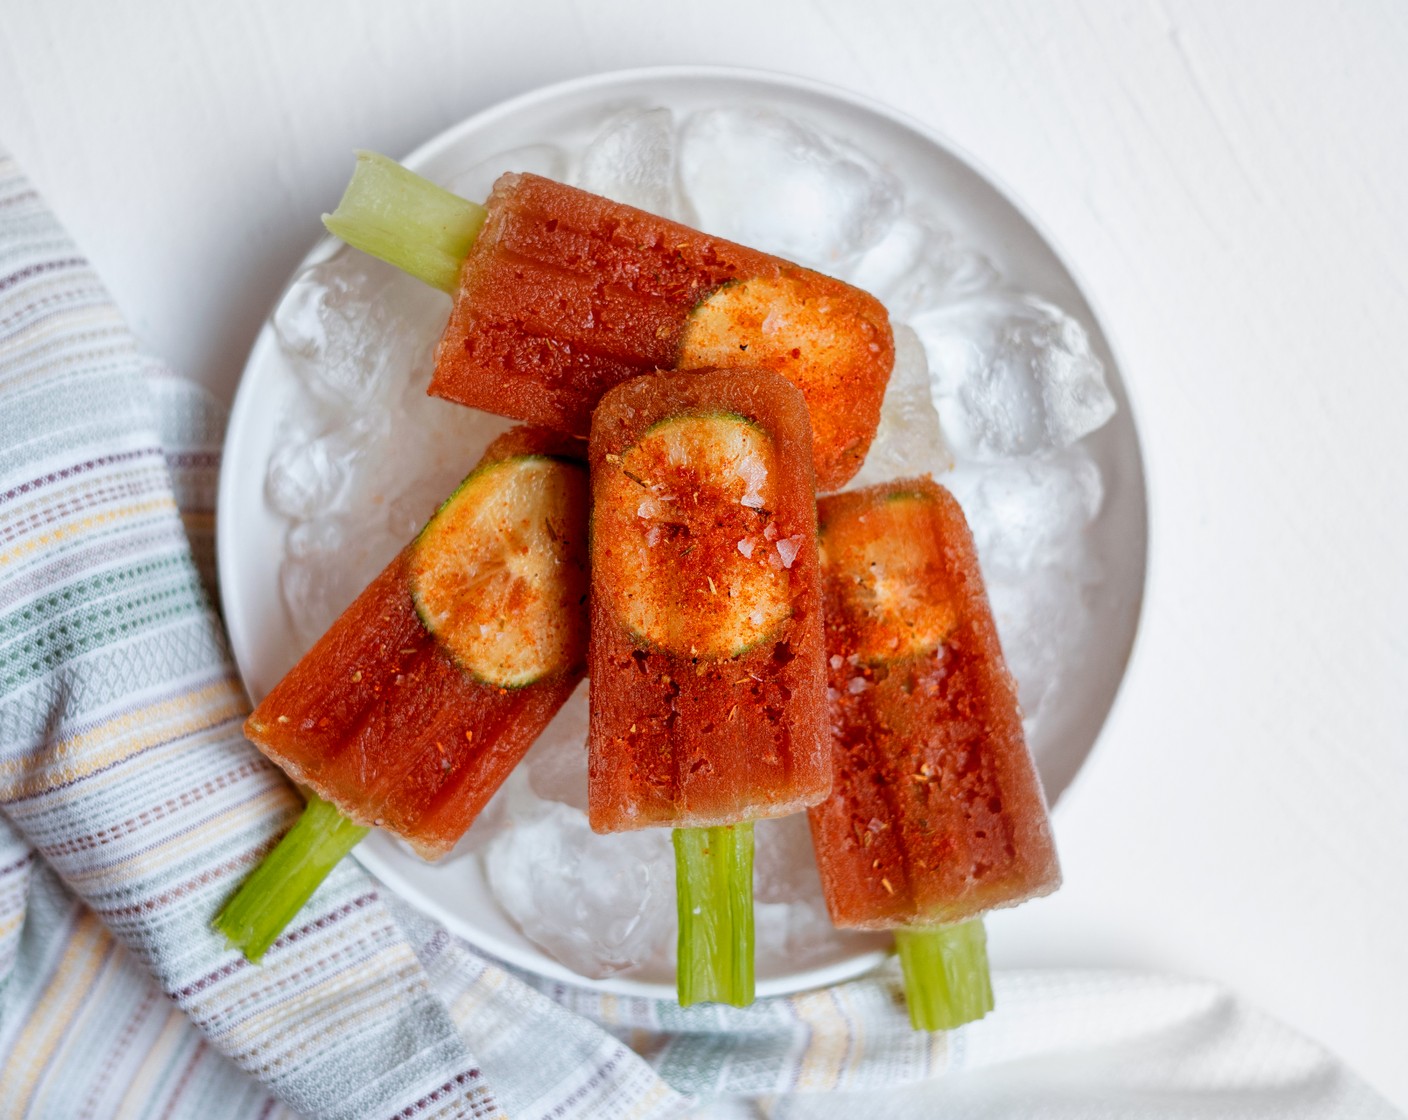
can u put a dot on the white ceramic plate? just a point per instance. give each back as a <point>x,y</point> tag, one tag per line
<point>263,637</point>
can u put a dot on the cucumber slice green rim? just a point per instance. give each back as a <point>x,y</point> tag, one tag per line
<point>907,496</point>
<point>499,574</point>
<point>706,294</point>
<point>889,579</point>
<point>681,544</point>
<point>697,414</point>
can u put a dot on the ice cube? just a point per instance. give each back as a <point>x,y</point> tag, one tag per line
<point>1013,375</point>
<point>429,446</point>
<point>335,322</point>
<point>1044,622</point>
<point>557,762</point>
<point>632,160</point>
<point>792,929</point>
<point>475,182</point>
<point>789,936</point>
<point>919,266</point>
<point>1029,513</point>
<point>909,441</point>
<point>298,320</point>
<point>597,904</point>
<point>326,565</point>
<point>1030,520</point>
<point>317,539</point>
<point>784,868</point>
<point>306,477</point>
<point>303,478</point>
<point>779,185</point>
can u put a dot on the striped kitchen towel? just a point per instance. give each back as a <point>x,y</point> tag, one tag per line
<point>131,807</point>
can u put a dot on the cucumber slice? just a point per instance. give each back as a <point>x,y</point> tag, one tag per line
<point>685,545</point>
<point>776,322</point>
<point>499,574</point>
<point>796,324</point>
<point>883,561</point>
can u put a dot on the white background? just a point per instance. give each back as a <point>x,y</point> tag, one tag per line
<point>1228,180</point>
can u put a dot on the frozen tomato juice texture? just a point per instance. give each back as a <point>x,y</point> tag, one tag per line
<point>412,709</point>
<point>565,294</point>
<point>936,814</point>
<point>708,702</point>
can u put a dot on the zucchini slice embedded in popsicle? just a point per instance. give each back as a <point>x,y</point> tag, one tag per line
<point>499,574</point>
<point>896,609</point>
<point>684,544</point>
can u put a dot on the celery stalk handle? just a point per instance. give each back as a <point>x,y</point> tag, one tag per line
<point>714,895</point>
<point>946,979</point>
<point>399,217</point>
<point>273,895</point>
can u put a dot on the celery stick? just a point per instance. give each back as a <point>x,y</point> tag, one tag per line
<point>407,221</point>
<point>946,977</point>
<point>714,894</point>
<point>268,900</point>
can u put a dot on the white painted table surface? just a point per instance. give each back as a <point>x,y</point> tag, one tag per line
<point>1228,179</point>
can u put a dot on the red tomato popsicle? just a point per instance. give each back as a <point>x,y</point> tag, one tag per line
<point>560,294</point>
<point>706,643</point>
<point>936,814</point>
<point>413,708</point>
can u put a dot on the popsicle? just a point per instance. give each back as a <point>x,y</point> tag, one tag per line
<point>560,294</point>
<point>412,709</point>
<point>936,815</point>
<point>708,707</point>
